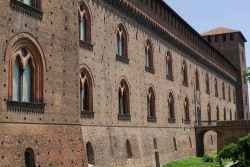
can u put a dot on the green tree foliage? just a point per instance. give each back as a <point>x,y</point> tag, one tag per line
<point>238,152</point>
<point>247,74</point>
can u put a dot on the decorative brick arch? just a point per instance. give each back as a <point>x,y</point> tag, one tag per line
<point>84,12</point>
<point>27,41</point>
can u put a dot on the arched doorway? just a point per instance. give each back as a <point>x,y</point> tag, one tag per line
<point>29,158</point>
<point>157,159</point>
<point>206,141</point>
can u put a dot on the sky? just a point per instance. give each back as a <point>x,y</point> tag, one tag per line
<point>205,15</point>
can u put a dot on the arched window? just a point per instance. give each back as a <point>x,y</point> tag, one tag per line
<point>155,143</point>
<point>223,91</point>
<point>209,114</point>
<point>184,73</point>
<point>22,76</point>
<point>229,94</point>
<point>129,150</point>
<point>186,109</point>
<point>29,158</point>
<point>171,118</point>
<point>122,41</point>
<point>123,98</point>
<point>90,154</point>
<point>33,3</point>
<point>197,86</point>
<point>230,115</point>
<point>84,23</point>
<point>86,93</point>
<point>149,54</point>
<point>216,88</point>
<point>190,142</point>
<point>169,67</point>
<point>246,99</point>
<point>151,103</point>
<point>218,113</point>
<point>225,114</point>
<point>234,96</point>
<point>207,84</point>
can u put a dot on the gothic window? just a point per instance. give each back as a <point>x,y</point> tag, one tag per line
<point>225,114</point>
<point>197,80</point>
<point>151,103</point>
<point>216,87</point>
<point>209,113</point>
<point>86,92</point>
<point>123,98</point>
<point>186,109</point>
<point>229,93</point>
<point>223,91</point>
<point>218,113</point>
<point>234,96</point>
<point>169,67</point>
<point>171,107</point>
<point>246,99</point>
<point>84,23</point>
<point>90,154</point>
<point>129,150</point>
<point>207,84</point>
<point>121,41</point>
<point>33,3</point>
<point>149,55</point>
<point>29,158</point>
<point>22,76</point>
<point>184,73</point>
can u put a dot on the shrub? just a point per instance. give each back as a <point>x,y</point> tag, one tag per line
<point>209,158</point>
<point>239,152</point>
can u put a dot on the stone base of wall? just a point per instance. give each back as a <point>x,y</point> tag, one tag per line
<point>109,145</point>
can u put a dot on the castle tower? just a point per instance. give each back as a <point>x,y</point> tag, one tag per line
<point>231,43</point>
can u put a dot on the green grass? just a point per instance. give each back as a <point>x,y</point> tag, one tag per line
<point>192,162</point>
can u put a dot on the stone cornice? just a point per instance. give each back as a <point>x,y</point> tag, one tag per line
<point>222,67</point>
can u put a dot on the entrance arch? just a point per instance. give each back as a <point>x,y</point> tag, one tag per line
<point>157,159</point>
<point>206,141</point>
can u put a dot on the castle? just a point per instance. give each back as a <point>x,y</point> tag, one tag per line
<point>112,83</point>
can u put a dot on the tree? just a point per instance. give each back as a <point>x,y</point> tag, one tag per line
<point>247,74</point>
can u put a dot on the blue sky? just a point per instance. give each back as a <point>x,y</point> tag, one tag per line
<point>205,15</point>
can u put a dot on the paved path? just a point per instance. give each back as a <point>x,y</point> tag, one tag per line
<point>229,164</point>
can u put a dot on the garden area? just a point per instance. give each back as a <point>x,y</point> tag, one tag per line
<point>238,153</point>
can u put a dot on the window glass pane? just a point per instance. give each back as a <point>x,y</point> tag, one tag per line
<point>81,27</point>
<point>27,86</point>
<point>27,2</point>
<point>16,82</point>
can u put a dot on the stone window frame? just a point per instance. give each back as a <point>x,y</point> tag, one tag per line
<point>124,88</point>
<point>123,35</point>
<point>184,72</point>
<point>169,66</point>
<point>171,108</point>
<point>25,40</point>
<point>151,110</point>
<point>186,110</point>
<point>84,13</point>
<point>207,81</point>
<point>149,57</point>
<point>86,78</point>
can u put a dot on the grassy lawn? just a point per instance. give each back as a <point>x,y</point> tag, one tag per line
<point>192,162</point>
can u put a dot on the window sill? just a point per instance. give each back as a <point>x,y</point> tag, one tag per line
<point>185,83</point>
<point>170,77</point>
<point>26,107</point>
<point>187,121</point>
<point>151,119</point>
<point>26,9</point>
<point>150,70</point>
<point>86,45</point>
<point>87,114</point>
<point>124,117</point>
<point>122,59</point>
<point>171,120</point>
